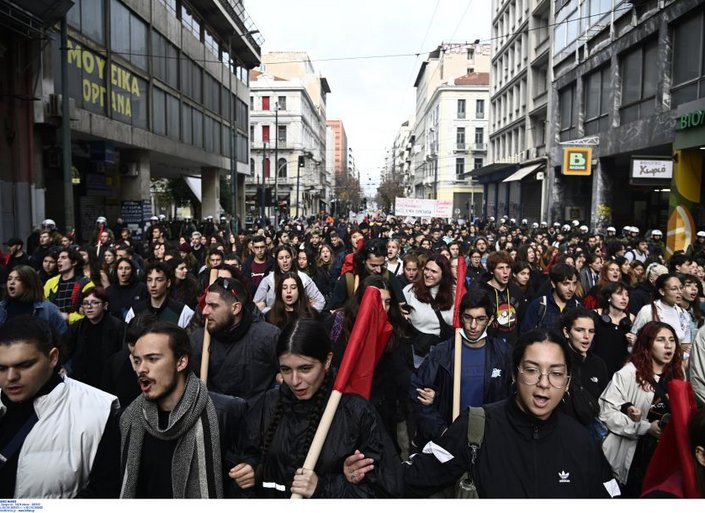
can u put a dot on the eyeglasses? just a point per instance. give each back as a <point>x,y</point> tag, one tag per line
<point>91,304</point>
<point>482,319</point>
<point>532,376</point>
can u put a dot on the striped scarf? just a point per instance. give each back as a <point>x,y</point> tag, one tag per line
<point>196,464</point>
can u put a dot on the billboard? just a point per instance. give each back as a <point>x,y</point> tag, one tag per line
<point>417,207</point>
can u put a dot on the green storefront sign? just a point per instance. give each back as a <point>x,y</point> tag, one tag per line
<point>691,120</point>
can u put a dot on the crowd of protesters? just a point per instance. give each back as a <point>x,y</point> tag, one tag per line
<point>569,340</point>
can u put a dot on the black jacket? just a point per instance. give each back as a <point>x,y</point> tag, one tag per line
<point>642,295</point>
<point>587,382</point>
<point>356,425</point>
<point>436,372</point>
<point>122,298</point>
<point>91,349</point>
<point>242,362</point>
<point>521,456</point>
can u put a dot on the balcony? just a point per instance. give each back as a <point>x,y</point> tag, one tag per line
<point>460,147</point>
<point>479,147</point>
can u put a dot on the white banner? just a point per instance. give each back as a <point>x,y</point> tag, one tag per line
<point>644,168</point>
<point>417,207</point>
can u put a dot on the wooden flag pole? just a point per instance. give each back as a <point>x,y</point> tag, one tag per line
<point>456,372</point>
<point>206,352</point>
<point>321,433</point>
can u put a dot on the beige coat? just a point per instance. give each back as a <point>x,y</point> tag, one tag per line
<point>620,444</point>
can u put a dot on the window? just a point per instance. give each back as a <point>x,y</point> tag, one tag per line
<point>252,132</point>
<point>461,109</point>
<point>281,101</point>
<point>479,135</point>
<point>639,82</point>
<point>688,60</point>
<point>211,93</point>
<point>172,117</point>
<point>266,168</point>
<point>190,22</point>
<point>265,103</point>
<point>241,148</point>
<point>210,42</point>
<point>265,133</point>
<point>128,35</point>
<point>252,103</point>
<point>471,55</point>
<point>597,86</point>
<point>480,109</point>
<point>478,163</point>
<point>252,168</point>
<point>241,114</point>
<point>159,112</point>
<point>165,60</point>
<point>227,136</point>
<point>170,5</point>
<point>460,137</point>
<point>567,28</point>
<point>186,124</point>
<point>459,166</point>
<point>197,128</point>
<point>88,16</point>
<point>281,168</point>
<point>566,99</point>
<point>191,76</point>
<point>281,134</point>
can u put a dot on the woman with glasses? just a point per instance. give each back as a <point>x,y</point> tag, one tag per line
<point>613,337</point>
<point>91,341</point>
<point>24,295</point>
<point>635,406</point>
<point>286,421</point>
<point>283,263</point>
<point>530,448</point>
<point>668,292</point>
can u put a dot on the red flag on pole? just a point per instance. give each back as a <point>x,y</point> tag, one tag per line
<point>673,454</point>
<point>367,341</point>
<point>460,290</point>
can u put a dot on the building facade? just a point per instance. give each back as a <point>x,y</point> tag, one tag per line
<point>450,131</point>
<point>629,84</point>
<point>513,179</point>
<point>156,89</point>
<point>288,133</point>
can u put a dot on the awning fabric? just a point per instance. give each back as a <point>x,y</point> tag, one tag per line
<point>522,172</point>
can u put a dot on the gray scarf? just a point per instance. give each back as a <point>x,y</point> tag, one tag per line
<point>196,464</point>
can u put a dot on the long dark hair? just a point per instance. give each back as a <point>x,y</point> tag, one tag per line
<point>304,337</point>
<point>277,315</point>
<point>444,298</point>
<point>279,249</point>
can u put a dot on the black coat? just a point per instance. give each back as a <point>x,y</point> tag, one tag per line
<point>521,456</point>
<point>356,425</point>
<point>91,349</point>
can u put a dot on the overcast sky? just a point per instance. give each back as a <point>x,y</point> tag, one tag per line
<point>372,96</point>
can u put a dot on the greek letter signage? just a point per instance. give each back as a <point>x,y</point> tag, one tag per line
<point>652,168</point>
<point>577,161</point>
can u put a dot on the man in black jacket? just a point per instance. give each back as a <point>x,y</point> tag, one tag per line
<point>242,359</point>
<point>486,370</point>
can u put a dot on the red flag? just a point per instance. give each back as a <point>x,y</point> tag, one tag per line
<point>367,341</point>
<point>673,454</point>
<point>460,290</point>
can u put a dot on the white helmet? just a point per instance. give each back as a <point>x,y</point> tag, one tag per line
<point>491,219</point>
<point>700,234</point>
<point>544,224</point>
<point>162,217</point>
<point>525,221</point>
<point>635,230</point>
<point>611,229</point>
<point>575,223</point>
<point>48,223</point>
<point>627,229</point>
<point>584,229</point>
<point>502,221</point>
<point>656,233</point>
<point>556,224</point>
<point>154,218</point>
<point>101,220</point>
<point>566,228</point>
<point>513,221</point>
<point>534,225</point>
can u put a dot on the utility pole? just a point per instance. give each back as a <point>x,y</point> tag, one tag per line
<point>276,163</point>
<point>264,170</point>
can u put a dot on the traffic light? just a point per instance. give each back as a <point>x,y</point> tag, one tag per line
<point>302,161</point>
<point>268,197</point>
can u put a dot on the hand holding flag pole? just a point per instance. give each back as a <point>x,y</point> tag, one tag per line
<point>460,290</point>
<point>367,341</point>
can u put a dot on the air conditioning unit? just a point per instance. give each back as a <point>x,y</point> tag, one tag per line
<point>54,107</point>
<point>129,169</point>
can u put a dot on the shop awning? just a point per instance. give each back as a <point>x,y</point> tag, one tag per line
<point>523,172</point>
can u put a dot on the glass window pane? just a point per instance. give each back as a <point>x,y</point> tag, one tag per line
<point>138,42</point>
<point>197,77</point>
<point>216,136</point>
<point>686,40</point>
<point>592,95</point>
<point>186,124</point>
<point>171,64</point>
<point>172,117</point>
<point>158,56</point>
<point>227,135</point>
<point>119,27</point>
<point>197,128</point>
<point>650,79</point>
<point>92,18</point>
<point>159,112</point>
<point>631,77</point>
<point>606,91</point>
<point>140,105</point>
<point>73,16</point>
